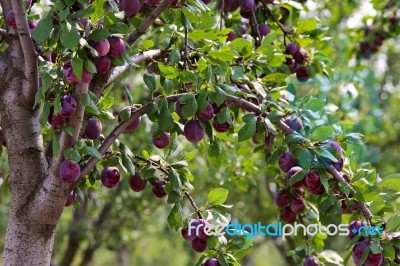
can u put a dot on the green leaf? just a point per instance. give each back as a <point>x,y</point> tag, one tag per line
<point>306,158</point>
<point>355,138</point>
<point>127,163</point>
<point>56,144</point>
<point>69,36</point>
<point>297,177</point>
<point>391,182</point>
<point>43,29</point>
<point>165,121</point>
<point>77,66</point>
<point>45,113</point>
<point>175,217</point>
<point>174,57</point>
<point>306,25</point>
<point>248,130</point>
<point>393,223</point>
<point>224,56</point>
<point>150,81</point>
<point>375,247</point>
<point>99,35</point>
<point>147,44</point>
<point>326,154</point>
<point>388,251</point>
<point>92,151</point>
<point>217,196</point>
<point>174,180</point>
<point>322,133</point>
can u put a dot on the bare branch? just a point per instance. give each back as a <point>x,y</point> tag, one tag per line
<point>149,21</point>
<point>137,59</point>
<point>28,49</point>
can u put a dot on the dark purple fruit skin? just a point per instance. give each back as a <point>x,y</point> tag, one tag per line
<point>193,131</point>
<point>178,108</point>
<point>117,47</point>
<point>340,161</point>
<point>312,180</point>
<point>220,127</point>
<point>354,225</point>
<point>291,63</point>
<point>292,49</point>
<point>10,19</point>
<point>231,36</point>
<point>291,173</point>
<point>162,141</point>
<point>264,29</point>
<point>286,161</point>
<point>69,73</point>
<point>93,129</point>
<point>186,236</point>
<point>211,262</point>
<point>297,205</point>
<point>102,47</point>
<point>230,6</point>
<point>301,56</point>
<point>282,199</point>
<point>158,189</point>
<point>294,123</point>
<point>68,105</point>
<point>2,138</point>
<point>69,171</point>
<point>197,226</point>
<point>199,245</point>
<point>207,114</point>
<point>70,199</point>
<point>374,259</point>
<point>302,74</point>
<point>288,216</point>
<point>358,250</point>
<point>318,190</point>
<point>136,182</point>
<point>310,261</point>
<point>110,177</point>
<point>55,120</point>
<point>102,64</point>
<point>130,7</point>
<point>247,5</point>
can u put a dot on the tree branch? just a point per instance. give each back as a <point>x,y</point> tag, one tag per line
<point>137,59</point>
<point>149,21</point>
<point>28,49</point>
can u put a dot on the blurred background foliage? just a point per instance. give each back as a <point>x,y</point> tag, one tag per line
<point>119,227</point>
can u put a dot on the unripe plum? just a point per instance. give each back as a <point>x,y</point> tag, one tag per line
<point>110,177</point>
<point>69,171</point>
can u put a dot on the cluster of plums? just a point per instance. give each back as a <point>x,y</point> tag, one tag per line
<point>193,130</point>
<point>196,235</point>
<point>297,63</point>
<point>68,108</point>
<point>361,246</point>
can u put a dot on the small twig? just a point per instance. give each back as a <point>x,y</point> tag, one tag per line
<point>254,29</point>
<point>185,60</point>
<point>285,32</point>
<point>148,21</point>
<point>194,205</point>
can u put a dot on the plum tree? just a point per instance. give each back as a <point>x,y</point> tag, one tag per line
<point>269,72</point>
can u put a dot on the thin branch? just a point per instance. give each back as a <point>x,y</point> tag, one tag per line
<point>137,59</point>
<point>28,49</point>
<point>118,130</point>
<point>285,32</point>
<point>149,21</point>
<point>194,205</point>
<point>254,29</point>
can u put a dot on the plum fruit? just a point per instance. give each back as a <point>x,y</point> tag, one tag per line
<point>161,141</point>
<point>117,47</point>
<point>310,261</point>
<point>288,215</point>
<point>282,199</point>
<point>102,64</point>
<point>102,47</point>
<point>297,205</point>
<point>286,161</point>
<point>158,189</point>
<point>110,177</point>
<point>211,262</point>
<point>137,183</point>
<point>355,225</point>
<point>207,113</point>
<point>264,29</point>
<point>93,129</point>
<point>220,127</point>
<point>292,172</point>
<point>193,131</point>
<point>69,171</point>
<point>199,244</point>
<point>70,199</point>
<point>68,105</point>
